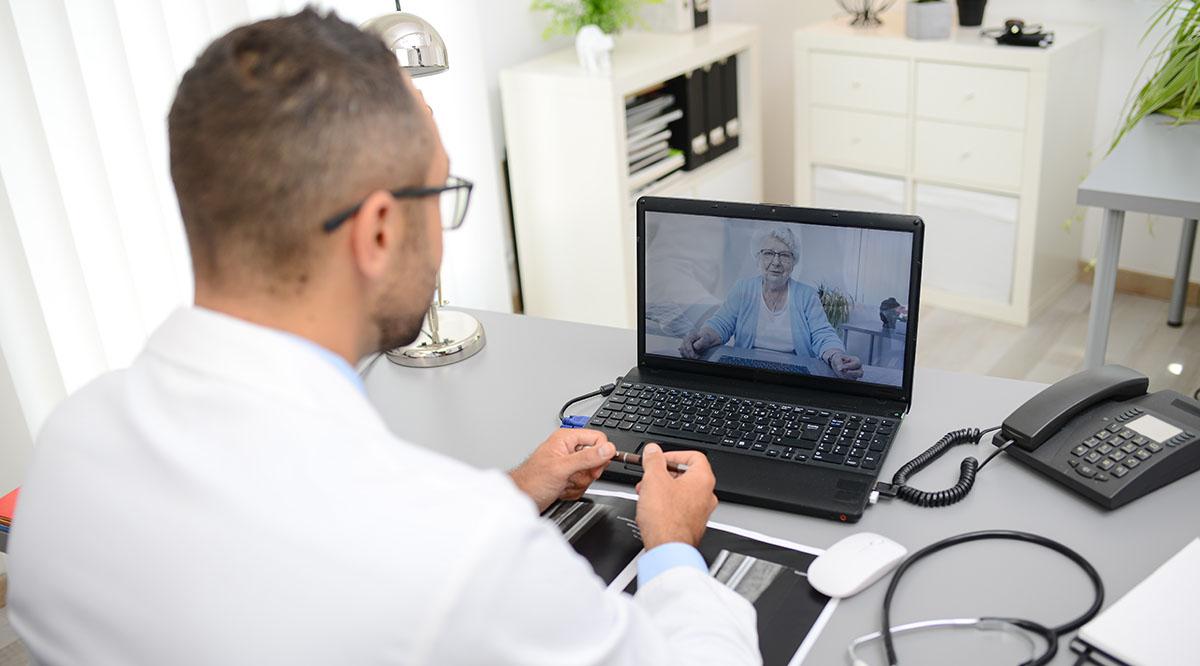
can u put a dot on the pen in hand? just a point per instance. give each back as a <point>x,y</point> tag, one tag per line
<point>635,459</point>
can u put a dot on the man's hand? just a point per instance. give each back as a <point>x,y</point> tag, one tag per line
<point>556,470</point>
<point>674,507</point>
<point>847,366</point>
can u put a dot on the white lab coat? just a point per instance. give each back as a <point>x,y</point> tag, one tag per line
<point>232,498</point>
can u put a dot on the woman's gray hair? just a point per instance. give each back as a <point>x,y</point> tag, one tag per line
<point>783,234</point>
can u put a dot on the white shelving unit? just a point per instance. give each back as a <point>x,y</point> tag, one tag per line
<point>565,132</point>
<point>987,143</point>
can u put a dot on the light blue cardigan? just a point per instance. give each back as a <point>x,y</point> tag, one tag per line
<point>738,317</point>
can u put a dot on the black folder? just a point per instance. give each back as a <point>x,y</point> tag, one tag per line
<point>690,133</point>
<point>714,109</point>
<point>700,12</point>
<point>729,87</point>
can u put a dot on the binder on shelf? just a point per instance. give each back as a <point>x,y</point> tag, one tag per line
<point>689,134</point>
<point>700,13</point>
<point>714,109</point>
<point>653,125</point>
<point>729,81</point>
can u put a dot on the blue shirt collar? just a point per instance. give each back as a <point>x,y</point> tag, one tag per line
<point>337,361</point>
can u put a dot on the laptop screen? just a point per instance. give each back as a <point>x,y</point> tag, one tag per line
<point>795,298</point>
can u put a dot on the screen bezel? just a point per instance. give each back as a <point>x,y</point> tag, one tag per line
<point>788,215</point>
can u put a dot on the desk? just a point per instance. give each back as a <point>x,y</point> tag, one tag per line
<point>492,409</point>
<point>1152,170</point>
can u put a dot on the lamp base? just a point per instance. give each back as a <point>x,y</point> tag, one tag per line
<point>460,337</point>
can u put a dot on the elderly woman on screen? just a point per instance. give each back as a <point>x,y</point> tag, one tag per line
<point>772,311</point>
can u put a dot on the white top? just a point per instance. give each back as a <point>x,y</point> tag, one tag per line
<point>232,499</point>
<point>774,328</point>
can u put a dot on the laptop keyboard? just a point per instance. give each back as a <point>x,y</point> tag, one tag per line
<point>764,365</point>
<point>778,431</point>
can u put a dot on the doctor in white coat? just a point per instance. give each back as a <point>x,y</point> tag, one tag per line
<point>234,498</point>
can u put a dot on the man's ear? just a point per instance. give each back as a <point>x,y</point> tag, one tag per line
<point>372,236</point>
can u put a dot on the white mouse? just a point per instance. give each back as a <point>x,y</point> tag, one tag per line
<point>853,564</point>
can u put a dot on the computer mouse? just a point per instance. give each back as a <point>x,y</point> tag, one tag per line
<point>853,564</point>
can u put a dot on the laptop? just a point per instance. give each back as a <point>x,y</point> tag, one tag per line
<point>778,341</point>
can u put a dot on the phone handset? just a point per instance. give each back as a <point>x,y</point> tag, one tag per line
<point>1045,414</point>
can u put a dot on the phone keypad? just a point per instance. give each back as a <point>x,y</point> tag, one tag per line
<point>1116,450</point>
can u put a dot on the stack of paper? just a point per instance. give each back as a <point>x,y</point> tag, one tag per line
<point>648,117</point>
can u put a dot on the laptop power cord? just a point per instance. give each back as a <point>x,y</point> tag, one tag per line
<point>582,421</point>
<point>969,467</point>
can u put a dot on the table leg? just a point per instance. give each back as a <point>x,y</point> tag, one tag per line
<point>1103,288</point>
<point>1183,266</point>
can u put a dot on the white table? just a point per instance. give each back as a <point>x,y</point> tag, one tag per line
<point>1155,169</point>
<point>492,409</point>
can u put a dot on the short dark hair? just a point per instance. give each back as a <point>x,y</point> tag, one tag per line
<point>280,124</point>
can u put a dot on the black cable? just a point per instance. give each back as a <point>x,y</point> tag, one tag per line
<point>605,390</point>
<point>1011,535</point>
<point>966,475</point>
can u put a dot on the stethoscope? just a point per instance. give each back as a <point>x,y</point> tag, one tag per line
<point>1020,628</point>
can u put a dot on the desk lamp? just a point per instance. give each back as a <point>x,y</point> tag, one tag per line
<point>449,336</point>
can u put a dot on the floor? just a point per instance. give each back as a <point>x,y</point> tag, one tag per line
<point>1047,350</point>
<point>1051,347</point>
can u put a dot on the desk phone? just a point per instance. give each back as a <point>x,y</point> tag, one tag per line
<point>1101,435</point>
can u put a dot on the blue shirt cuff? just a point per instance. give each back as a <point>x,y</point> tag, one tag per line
<point>668,556</point>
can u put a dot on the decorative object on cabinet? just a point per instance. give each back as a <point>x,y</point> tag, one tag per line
<point>865,13</point>
<point>594,49</point>
<point>986,144</point>
<point>567,17</point>
<point>928,19</point>
<point>582,148</point>
<point>970,13</point>
<point>1175,87</point>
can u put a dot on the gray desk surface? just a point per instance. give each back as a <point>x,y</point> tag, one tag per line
<point>1152,170</point>
<point>493,409</point>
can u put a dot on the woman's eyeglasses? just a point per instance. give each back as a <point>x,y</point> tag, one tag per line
<point>772,255</point>
<point>453,199</point>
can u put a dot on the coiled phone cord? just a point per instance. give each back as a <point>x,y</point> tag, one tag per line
<point>967,470</point>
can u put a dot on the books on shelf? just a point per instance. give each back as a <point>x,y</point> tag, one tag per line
<point>664,166</point>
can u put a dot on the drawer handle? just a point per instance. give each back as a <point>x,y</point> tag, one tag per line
<point>969,97</point>
<point>855,140</point>
<point>965,156</point>
<point>855,85</point>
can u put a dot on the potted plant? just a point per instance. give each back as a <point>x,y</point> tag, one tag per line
<point>568,16</point>
<point>836,303</point>
<point>1174,89</point>
<point>970,12</point>
<point>928,19</point>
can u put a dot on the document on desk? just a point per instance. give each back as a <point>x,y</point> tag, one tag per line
<point>1154,623</point>
<point>769,572</point>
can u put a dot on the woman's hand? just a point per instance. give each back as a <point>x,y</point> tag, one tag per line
<point>847,366</point>
<point>695,344</point>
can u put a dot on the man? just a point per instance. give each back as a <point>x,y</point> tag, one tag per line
<point>233,498</point>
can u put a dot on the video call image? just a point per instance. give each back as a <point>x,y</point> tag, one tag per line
<point>796,298</point>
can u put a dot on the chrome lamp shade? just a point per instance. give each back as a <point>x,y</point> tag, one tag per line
<point>416,43</point>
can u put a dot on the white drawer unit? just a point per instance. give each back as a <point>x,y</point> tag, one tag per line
<point>970,94</point>
<point>981,156</point>
<point>987,143</point>
<point>857,82</point>
<point>868,139</point>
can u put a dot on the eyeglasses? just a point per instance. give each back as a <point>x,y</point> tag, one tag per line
<point>772,255</point>
<point>453,199</point>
